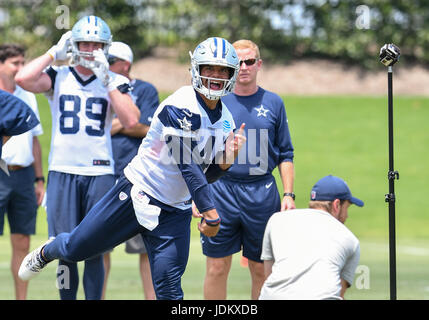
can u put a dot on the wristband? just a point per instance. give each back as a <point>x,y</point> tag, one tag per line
<point>213,223</point>
<point>39,179</point>
<point>289,194</point>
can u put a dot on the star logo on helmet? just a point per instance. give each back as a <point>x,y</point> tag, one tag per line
<point>262,111</point>
<point>185,124</point>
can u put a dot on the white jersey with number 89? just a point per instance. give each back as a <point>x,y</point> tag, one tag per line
<point>81,121</point>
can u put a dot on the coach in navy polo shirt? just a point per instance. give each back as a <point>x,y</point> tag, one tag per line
<point>246,196</point>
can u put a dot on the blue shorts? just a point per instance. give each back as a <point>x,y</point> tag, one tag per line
<point>18,199</point>
<point>244,209</point>
<point>112,221</point>
<point>69,197</point>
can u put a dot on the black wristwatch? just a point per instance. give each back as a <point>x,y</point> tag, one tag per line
<point>289,194</point>
<point>39,179</point>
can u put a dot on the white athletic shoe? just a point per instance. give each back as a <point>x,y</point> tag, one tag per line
<point>33,263</point>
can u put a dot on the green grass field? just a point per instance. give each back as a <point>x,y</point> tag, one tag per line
<point>344,136</point>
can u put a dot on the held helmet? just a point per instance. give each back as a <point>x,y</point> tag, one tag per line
<point>89,29</point>
<point>218,52</point>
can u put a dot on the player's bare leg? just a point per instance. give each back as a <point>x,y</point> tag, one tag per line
<point>215,283</point>
<point>258,277</point>
<point>106,262</point>
<point>146,276</point>
<point>20,246</point>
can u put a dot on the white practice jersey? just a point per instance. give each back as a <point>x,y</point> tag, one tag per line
<point>312,252</point>
<point>81,121</point>
<point>154,169</point>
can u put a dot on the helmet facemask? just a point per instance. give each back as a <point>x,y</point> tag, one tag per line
<point>226,85</point>
<point>206,54</point>
<point>84,58</point>
<point>89,29</point>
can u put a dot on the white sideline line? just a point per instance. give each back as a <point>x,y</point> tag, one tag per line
<point>414,251</point>
<point>410,250</point>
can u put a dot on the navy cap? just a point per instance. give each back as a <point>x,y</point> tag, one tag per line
<point>330,188</point>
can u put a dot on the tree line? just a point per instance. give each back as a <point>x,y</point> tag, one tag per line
<point>351,31</point>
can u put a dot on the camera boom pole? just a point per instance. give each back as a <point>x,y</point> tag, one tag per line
<point>389,55</point>
<point>390,197</point>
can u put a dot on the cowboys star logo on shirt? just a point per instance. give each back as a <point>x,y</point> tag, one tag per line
<point>262,111</point>
<point>185,124</point>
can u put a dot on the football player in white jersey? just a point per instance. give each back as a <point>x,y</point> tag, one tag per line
<point>83,98</point>
<point>190,143</point>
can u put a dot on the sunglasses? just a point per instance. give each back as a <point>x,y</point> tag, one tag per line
<point>113,59</point>
<point>249,62</point>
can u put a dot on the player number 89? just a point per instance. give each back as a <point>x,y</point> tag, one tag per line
<point>72,126</point>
